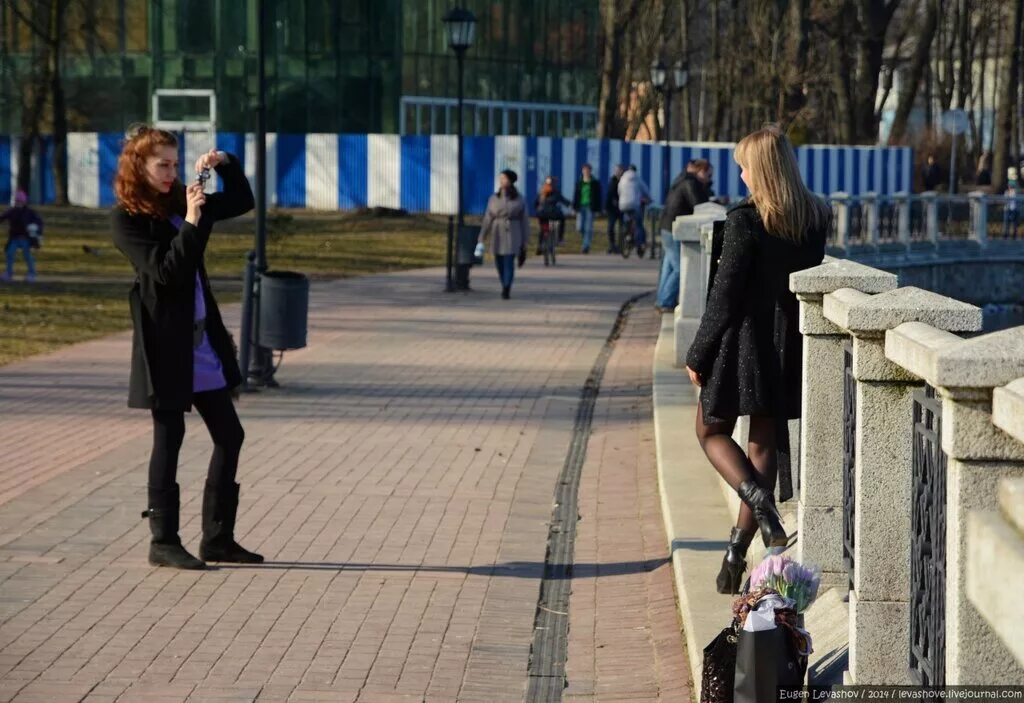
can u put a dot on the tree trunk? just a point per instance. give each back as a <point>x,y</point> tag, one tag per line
<point>59,106</point>
<point>608,110</point>
<point>1007,100</point>
<point>908,92</point>
<point>685,101</point>
<point>874,18</point>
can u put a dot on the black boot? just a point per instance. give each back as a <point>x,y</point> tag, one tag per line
<point>734,563</point>
<point>506,292</point>
<point>220,506</point>
<point>762,503</point>
<point>165,547</point>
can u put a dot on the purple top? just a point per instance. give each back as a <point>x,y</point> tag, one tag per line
<point>207,372</point>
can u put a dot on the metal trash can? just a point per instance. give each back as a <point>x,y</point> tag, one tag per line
<point>284,308</point>
<point>465,247</point>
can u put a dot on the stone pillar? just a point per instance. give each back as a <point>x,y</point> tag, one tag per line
<point>979,217</point>
<point>902,200</point>
<point>841,212</point>
<point>820,501</point>
<point>879,602</point>
<point>692,291</point>
<point>872,214</point>
<point>980,455</point>
<point>930,199</point>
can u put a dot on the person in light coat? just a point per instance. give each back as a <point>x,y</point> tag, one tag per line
<point>506,226</point>
<point>633,195</point>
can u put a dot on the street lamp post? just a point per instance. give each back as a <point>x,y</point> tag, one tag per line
<point>659,79</point>
<point>460,26</point>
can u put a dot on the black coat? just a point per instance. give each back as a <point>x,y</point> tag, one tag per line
<point>595,195</point>
<point>162,299</point>
<point>748,349</point>
<point>685,194</point>
<point>611,203</point>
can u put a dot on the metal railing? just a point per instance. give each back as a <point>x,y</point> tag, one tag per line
<point>849,458</point>
<point>910,221</point>
<point>928,544</point>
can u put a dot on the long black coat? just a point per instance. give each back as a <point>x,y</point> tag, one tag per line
<point>748,349</point>
<point>162,299</point>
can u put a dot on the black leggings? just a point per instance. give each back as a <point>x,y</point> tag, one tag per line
<point>218,412</point>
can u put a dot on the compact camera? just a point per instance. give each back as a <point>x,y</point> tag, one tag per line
<point>203,176</point>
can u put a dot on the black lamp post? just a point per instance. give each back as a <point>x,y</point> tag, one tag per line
<point>460,26</point>
<point>659,79</point>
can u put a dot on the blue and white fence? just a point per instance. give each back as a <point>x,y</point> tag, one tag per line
<point>417,173</point>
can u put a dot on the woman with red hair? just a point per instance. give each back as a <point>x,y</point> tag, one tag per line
<point>182,355</point>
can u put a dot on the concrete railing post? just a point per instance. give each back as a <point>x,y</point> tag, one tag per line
<point>841,212</point>
<point>820,501</point>
<point>978,456</point>
<point>871,215</point>
<point>686,231</point>
<point>979,217</point>
<point>883,469</point>
<point>902,200</point>
<point>931,215</point>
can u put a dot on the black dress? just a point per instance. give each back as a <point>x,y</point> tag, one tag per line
<point>748,349</point>
<point>162,300</point>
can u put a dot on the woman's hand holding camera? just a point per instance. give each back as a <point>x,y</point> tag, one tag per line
<point>195,199</point>
<point>211,159</point>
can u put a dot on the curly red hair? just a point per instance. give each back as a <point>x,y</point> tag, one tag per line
<point>132,188</point>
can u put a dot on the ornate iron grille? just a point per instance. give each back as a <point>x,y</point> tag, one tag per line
<point>928,544</point>
<point>849,456</point>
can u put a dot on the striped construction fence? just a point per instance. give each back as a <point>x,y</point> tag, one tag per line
<point>417,173</point>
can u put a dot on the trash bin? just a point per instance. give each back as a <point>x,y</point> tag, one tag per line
<point>465,247</point>
<point>284,307</point>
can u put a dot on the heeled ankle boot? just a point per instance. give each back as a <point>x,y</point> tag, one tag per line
<point>220,506</point>
<point>734,563</point>
<point>165,547</point>
<point>767,515</point>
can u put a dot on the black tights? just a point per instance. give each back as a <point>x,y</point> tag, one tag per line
<point>758,464</point>
<point>218,412</point>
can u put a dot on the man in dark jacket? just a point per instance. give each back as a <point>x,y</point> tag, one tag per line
<point>688,191</point>
<point>25,231</point>
<point>586,201</point>
<point>611,207</point>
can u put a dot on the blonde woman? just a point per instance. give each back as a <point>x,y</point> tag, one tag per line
<point>747,353</point>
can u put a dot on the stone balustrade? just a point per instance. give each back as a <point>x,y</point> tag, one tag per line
<point>911,491</point>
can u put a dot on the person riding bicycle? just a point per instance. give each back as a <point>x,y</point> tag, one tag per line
<point>548,207</point>
<point>633,195</point>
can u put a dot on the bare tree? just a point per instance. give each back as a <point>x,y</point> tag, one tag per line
<point>1009,88</point>
<point>918,64</point>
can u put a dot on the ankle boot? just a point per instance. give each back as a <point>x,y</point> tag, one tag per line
<point>220,506</point>
<point>762,503</point>
<point>734,563</point>
<point>165,546</point>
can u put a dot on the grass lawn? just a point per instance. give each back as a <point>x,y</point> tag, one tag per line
<point>83,295</point>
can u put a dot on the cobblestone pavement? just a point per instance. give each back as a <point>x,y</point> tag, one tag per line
<point>400,484</point>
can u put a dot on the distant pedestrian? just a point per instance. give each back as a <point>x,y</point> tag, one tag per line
<point>746,356</point>
<point>1011,210</point>
<point>688,191</point>
<point>24,232</point>
<point>611,208</point>
<point>932,175</point>
<point>586,201</point>
<point>506,224</point>
<point>633,197</point>
<point>549,206</point>
<point>182,355</point>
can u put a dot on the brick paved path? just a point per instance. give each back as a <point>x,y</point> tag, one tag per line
<point>399,484</point>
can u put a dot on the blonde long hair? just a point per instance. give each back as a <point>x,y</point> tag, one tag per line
<point>787,208</point>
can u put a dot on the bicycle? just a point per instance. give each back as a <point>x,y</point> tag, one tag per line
<point>629,238</point>
<point>548,240</point>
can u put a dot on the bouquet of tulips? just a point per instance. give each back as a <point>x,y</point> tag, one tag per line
<point>788,578</point>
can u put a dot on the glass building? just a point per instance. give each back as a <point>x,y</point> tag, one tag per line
<point>352,66</point>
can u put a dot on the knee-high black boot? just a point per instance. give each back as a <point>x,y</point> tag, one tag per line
<point>734,563</point>
<point>762,503</point>
<point>220,506</point>
<point>165,547</point>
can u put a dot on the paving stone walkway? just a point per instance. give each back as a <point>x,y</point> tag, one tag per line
<point>400,485</point>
